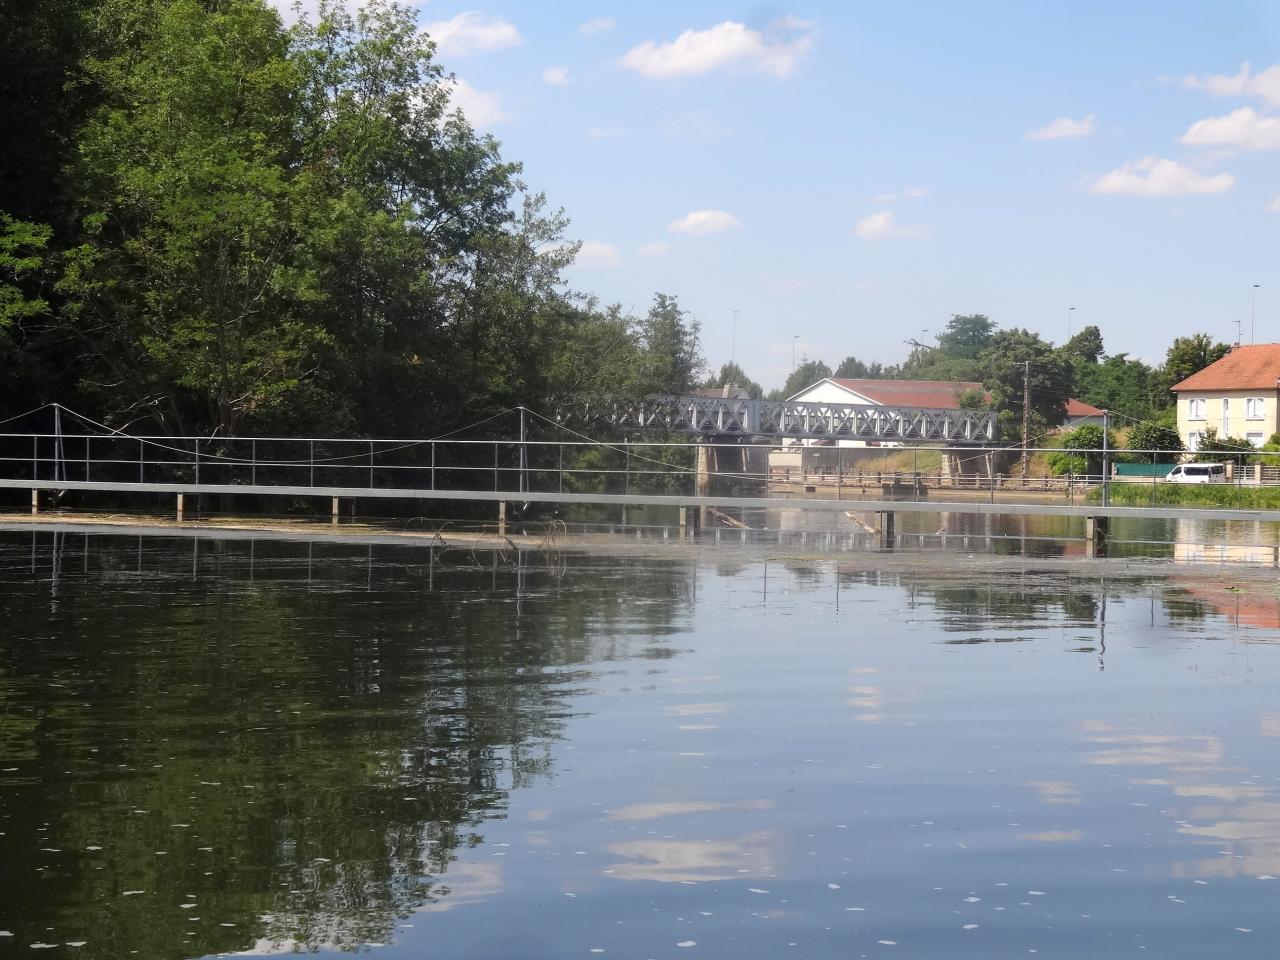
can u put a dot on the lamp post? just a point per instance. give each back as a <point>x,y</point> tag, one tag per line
<point>1253,302</point>
<point>1070,311</point>
<point>793,352</point>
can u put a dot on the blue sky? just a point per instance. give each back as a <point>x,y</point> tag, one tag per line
<point>853,174</point>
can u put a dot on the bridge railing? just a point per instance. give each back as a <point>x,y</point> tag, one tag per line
<point>569,466</point>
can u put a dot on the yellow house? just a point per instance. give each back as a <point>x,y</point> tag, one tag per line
<point>1237,396</point>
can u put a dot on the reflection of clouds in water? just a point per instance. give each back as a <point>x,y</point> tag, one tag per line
<point>1052,836</point>
<point>678,861</point>
<point>1156,750</point>
<point>672,808</point>
<point>1055,791</point>
<point>540,814</point>
<point>1269,724</point>
<point>697,709</point>
<point>466,883</point>
<point>1242,820</point>
<point>869,699</point>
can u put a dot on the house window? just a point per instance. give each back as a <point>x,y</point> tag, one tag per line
<point>1194,438</point>
<point>1195,408</point>
<point>1255,408</point>
<point>1255,439</point>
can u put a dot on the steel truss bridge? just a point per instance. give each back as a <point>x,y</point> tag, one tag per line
<point>728,416</point>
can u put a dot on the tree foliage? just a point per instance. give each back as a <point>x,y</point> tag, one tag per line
<point>1154,443</point>
<point>1082,451</point>
<point>730,374</point>
<point>806,374</point>
<point>1017,356</point>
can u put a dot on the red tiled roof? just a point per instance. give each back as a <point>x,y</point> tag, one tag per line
<point>1256,366</point>
<point>935,394</point>
<point>1078,408</point>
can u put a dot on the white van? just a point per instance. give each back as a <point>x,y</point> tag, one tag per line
<point>1198,473</point>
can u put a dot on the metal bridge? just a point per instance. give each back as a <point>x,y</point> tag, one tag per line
<point>729,416</point>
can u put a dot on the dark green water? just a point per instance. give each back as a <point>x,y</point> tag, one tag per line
<point>233,746</point>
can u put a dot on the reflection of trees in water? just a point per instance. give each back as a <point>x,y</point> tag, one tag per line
<point>296,747</point>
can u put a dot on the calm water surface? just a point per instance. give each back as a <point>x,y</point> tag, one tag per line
<point>227,747</point>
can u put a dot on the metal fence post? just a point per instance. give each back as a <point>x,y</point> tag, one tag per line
<point>142,454</point>
<point>433,464</point>
<point>495,466</point>
<point>312,481</point>
<point>86,459</point>
<point>35,458</point>
<point>197,460</point>
<point>253,457</point>
<point>560,468</point>
<point>370,464</point>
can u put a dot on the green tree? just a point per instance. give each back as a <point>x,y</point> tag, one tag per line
<point>1216,449</point>
<point>806,374</point>
<point>1188,355</point>
<point>851,368</point>
<point>1017,354</point>
<point>669,359</point>
<point>1085,346</point>
<point>1154,443</point>
<point>731,373</point>
<point>1082,451</point>
<point>966,336</point>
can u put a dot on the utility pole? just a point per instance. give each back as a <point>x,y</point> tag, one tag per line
<point>733,341</point>
<point>1026,419</point>
<point>1253,303</point>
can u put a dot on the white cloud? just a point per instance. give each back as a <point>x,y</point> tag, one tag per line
<point>556,76</point>
<point>1157,177</point>
<point>883,225</point>
<point>775,51</point>
<point>914,192</point>
<point>1062,128</point>
<point>482,108</point>
<point>597,255</point>
<point>1274,205</point>
<point>611,132</point>
<point>1264,85</point>
<point>1244,128</point>
<point>658,248</point>
<point>473,32</point>
<point>602,25</point>
<point>701,223</point>
<point>884,197</point>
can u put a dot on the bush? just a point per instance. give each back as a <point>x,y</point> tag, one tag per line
<point>1153,437</point>
<point>1087,440</point>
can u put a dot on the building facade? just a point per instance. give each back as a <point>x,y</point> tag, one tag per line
<point>1235,397</point>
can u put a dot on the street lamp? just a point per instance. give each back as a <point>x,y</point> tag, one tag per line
<point>793,352</point>
<point>1253,302</point>
<point>1070,311</point>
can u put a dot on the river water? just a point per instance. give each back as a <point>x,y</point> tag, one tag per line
<point>241,747</point>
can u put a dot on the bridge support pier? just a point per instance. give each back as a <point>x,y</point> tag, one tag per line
<point>181,500</point>
<point>35,502</point>
<point>1095,532</point>
<point>333,510</point>
<point>502,518</point>
<point>885,524</point>
<point>684,522</point>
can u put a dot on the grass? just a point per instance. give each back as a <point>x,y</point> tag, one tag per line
<point>1190,495</point>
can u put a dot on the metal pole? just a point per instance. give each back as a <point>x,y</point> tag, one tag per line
<point>197,461</point>
<point>141,459</point>
<point>1106,460</point>
<point>1253,302</point>
<point>433,464</point>
<point>86,459</point>
<point>253,456</point>
<point>312,462</point>
<point>524,456</point>
<point>560,468</point>
<point>370,464</point>
<point>495,466</point>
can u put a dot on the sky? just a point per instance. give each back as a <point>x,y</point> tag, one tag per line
<point>824,179</point>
